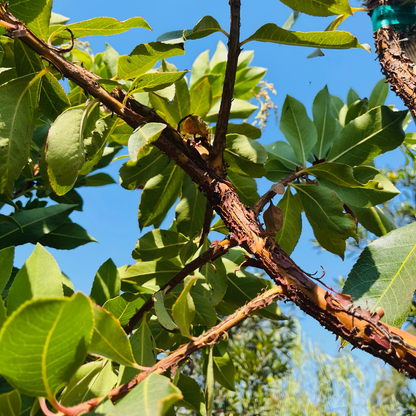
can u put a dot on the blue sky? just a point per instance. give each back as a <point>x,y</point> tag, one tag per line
<point>110,213</point>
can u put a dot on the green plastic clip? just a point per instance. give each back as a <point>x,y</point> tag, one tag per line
<point>401,17</point>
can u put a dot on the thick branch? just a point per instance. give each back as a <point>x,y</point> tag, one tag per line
<point>216,250</point>
<point>228,88</point>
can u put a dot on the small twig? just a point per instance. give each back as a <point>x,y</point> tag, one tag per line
<point>216,250</point>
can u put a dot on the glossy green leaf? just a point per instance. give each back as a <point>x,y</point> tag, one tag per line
<point>320,7</point>
<point>65,150</point>
<point>140,141</point>
<point>200,67</point>
<point>384,273</point>
<point>6,266</point>
<point>189,211</point>
<point>239,109</point>
<point>379,94</point>
<point>224,371</point>
<point>336,105</point>
<point>153,396</point>
<point>3,313</point>
<point>123,307</point>
<point>289,234</point>
<point>159,195</point>
<point>205,313</point>
<point>374,219</point>
<point>246,81</point>
<point>103,26</point>
<point>372,189</point>
<point>162,314</point>
<point>135,174</point>
<point>35,223</point>
<point>94,144</point>
<point>159,244</point>
<point>298,128</point>
<point>355,110</point>
<point>67,237</point>
<point>109,339</point>
<point>375,132</point>
<point>122,132</point>
<point>151,273</point>
<point>153,81</point>
<point>10,403</point>
<point>270,32</point>
<point>144,57</point>
<point>27,61</point>
<point>324,122</point>
<point>35,14</point>
<point>87,382</point>
<point>209,382</point>
<point>283,152</point>
<point>245,156</point>
<point>97,179</point>
<point>8,219</point>
<point>39,277</point>
<point>276,170</point>
<point>352,97</point>
<point>201,97</point>
<point>110,59</point>
<point>18,99</point>
<point>245,129</point>
<point>193,396</point>
<point>246,188</point>
<point>106,283</point>
<point>291,20</point>
<point>324,211</point>
<point>183,309</point>
<point>52,362</point>
<point>53,99</point>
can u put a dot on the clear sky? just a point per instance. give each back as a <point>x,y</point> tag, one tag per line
<point>110,213</point>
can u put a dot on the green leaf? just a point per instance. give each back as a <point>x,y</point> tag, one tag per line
<point>245,129</point>
<point>98,179</point>
<point>6,266</point>
<point>183,309</point>
<point>193,396</point>
<point>283,153</point>
<point>36,15</point>
<point>200,67</point>
<point>140,141</point>
<point>209,382</point>
<point>7,219</point>
<point>10,403</point>
<point>352,97</point>
<point>87,383</point>
<point>153,81</point>
<point>106,283</point>
<point>375,132</point>
<point>289,234</point>
<point>320,7</point>
<point>324,211</point>
<point>224,371</point>
<point>374,219</point>
<point>53,99</point>
<point>153,396</point>
<point>143,345</point>
<point>65,150</point>
<point>35,223</point>
<point>246,188</point>
<point>298,128</point>
<point>379,94</point>
<point>122,132</point>
<point>276,170</point>
<point>144,57</point>
<point>67,237</point>
<point>151,273</point>
<point>52,362</point>
<point>201,97</point>
<point>109,339</point>
<point>27,61</point>
<point>245,156</point>
<point>159,244</point>
<point>39,277</point>
<point>17,103</point>
<point>103,26</point>
<point>162,314</point>
<point>110,59</point>
<point>364,186</point>
<point>135,174</point>
<point>270,32</point>
<point>291,20</point>
<point>123,307</point>
<point>159,194</point>
<point>205,313</point>
<point>239,109</point>
<point>246,81</point>
<point>3,312</point>
<point>384,273</point>
<point>324,122</point>
<point>189,211</point>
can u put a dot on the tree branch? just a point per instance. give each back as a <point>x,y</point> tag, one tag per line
<point>216,250</point>
<point>228,88</point>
